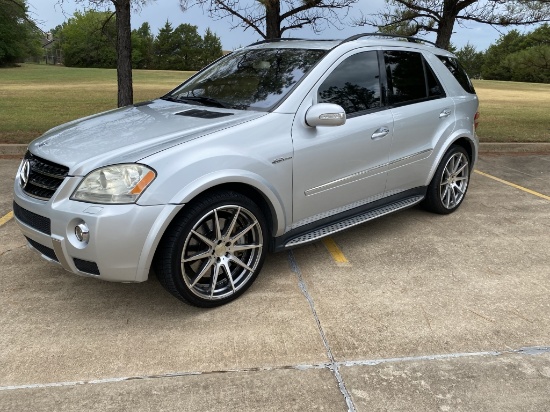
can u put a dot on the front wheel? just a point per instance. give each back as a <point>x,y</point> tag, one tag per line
<point>214,251</point>
<point>450,182</point>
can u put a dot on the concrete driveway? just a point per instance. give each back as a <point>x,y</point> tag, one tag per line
<point>409,312</point>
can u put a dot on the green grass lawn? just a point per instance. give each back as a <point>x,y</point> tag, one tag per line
<point>513,111</point>
<point>35,98</point>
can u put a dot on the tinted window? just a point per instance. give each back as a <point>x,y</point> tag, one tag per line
<point>255,79</point>
<point>406,81</point>
<point>434,87</point>
<point>354,84</point>
<point>458,72</point>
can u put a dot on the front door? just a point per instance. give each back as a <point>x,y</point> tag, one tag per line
<point>339,168</point>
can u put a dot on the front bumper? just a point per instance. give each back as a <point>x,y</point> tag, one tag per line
<point>122,238</point>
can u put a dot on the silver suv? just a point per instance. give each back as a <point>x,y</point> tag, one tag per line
<point>272,146</point>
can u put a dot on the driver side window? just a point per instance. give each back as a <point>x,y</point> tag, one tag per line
<point>354,84</point>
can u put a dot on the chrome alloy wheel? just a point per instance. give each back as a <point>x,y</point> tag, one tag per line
<point>454,180</point>
<point>221,252</point>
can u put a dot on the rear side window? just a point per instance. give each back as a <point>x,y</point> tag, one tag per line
<point>410,78</point>
<point>434,87</point>
<point>458,72</point>
<point>354,84</point>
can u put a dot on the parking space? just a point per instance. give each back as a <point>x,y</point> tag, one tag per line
<point>8,168</point>
<point>410,311</point>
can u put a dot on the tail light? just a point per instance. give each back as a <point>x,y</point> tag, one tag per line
<point>476,120</point>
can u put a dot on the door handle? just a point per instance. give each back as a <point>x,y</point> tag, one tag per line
<point>380,133</point>
<point>445,113</point>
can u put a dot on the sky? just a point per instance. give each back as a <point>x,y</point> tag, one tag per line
<point>50,14</point>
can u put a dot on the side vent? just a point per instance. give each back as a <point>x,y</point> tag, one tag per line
<point>86,266</point>
<point>145,103</point>
<point>44,250</point>
<point>203,114</point>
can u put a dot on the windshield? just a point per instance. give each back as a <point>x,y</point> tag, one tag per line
<point>253,79</point>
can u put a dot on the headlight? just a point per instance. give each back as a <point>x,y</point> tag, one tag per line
<point>116,184</point>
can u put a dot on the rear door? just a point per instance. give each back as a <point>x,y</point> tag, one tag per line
<point>422,114</point>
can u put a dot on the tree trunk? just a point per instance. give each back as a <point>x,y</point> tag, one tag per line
<point>272,19</point>
<point>124,53</point>
<point>445,26</point>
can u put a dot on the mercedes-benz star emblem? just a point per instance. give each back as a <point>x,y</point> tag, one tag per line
<point>25,173</point>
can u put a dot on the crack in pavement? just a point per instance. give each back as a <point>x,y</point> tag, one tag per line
<point>333,365</point>
<point>524,351</point>
<point>12,249</point>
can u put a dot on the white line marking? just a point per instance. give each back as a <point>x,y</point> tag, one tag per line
<point>374,362</point>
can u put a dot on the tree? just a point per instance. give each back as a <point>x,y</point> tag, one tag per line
<point>530,65</point>
<point>142,47</point>
<point>183,48</point>
<point>271,18</point>
<point>471,60</point>
<point>163,47</point>
<point>520,57</point>
<point>19,36</point>
<point>495,66</point>
<point>415,16</point>
<point>211,48</point>
<point>88,39</point>
<point>123,44</point>
<point>187,44</point>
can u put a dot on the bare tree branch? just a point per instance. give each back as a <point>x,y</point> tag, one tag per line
<point>271,18</point>
<point>416,16</point>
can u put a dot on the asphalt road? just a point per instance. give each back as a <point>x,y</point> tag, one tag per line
<point>409,312</point>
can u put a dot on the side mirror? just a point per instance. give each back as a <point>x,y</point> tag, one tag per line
<point>325,114</point>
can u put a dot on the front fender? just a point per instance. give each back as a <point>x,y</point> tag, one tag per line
<point>194,189</point>
<point>231,176</point>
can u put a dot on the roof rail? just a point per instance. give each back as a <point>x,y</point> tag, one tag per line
<point>274,40</point>
<point>278,39</point>
<point>408,38</point>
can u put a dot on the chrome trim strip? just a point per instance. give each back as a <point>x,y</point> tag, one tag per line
<point>343,181</point>
<point>58,249</point>
<point>410,156</point>
<point>355,177</point>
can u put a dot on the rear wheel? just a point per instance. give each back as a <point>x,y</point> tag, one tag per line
<point>450,182</point>
<point>214,252</point>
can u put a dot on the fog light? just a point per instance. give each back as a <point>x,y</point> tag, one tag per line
<point>82,232</point>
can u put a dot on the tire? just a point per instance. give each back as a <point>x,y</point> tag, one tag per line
<point>448,187</point>
<point>214,250</point>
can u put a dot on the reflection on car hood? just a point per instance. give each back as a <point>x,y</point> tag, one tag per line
<point>130,133</point>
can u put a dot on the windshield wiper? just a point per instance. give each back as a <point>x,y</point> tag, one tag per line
<point>170,98</point>
<point>207,101</point>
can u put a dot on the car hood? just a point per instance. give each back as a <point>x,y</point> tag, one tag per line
<point>131,133</point>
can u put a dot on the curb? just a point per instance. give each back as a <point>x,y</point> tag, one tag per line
<point>514,148</point>
<point>12,149</point>
<point>484,148</point>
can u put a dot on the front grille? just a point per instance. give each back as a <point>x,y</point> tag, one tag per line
<point>40,223</point>
<point>86,266</point>
<point>44,177</point>
<point>46,251</point>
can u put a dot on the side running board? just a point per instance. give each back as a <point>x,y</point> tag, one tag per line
<point>353,221</point>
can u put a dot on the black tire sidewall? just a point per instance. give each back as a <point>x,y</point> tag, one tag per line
<point>180,230</point>
<point>433,197</point>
